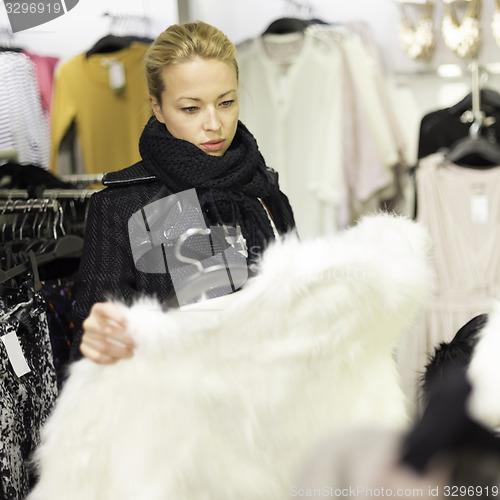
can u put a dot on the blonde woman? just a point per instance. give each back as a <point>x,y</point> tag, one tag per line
<point>193,140</point>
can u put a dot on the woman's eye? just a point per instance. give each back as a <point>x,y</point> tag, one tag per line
<point>226,104</point>
<point>189,109</point>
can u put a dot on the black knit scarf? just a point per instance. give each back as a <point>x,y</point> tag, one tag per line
<point>228,186</point>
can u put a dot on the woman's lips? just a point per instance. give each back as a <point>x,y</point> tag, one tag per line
<point>215,145</point>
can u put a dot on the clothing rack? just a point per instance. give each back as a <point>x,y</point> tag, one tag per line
<point>70,206</point>
<point>9,216</point>
<point>82,178</point>
<point>40,204</point>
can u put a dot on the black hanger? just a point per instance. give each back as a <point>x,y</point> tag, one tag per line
<point>11,49</point>
<point>286,25</point>
<point>66,246</point>
<point>317,21</point>
<point>476,152</point>
<point>109,44</point>
<point>115,43</point>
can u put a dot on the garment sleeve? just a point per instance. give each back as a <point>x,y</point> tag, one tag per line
<point>106,269</point>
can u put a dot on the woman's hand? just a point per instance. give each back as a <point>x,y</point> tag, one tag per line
<point>105,339</point>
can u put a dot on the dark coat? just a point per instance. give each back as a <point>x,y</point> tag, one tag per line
<point>107,270</point>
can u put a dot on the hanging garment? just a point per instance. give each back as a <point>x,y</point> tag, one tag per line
<point>371,146</point>
<point>440,129</point>
<point>461,209</point>
<point>23,125</point>
<point>45,67</point>
<point>304,96</point>
<point>33,178</point>
<point>25,401</point>
<point>226,404</point>
<point>58,295</point>
<point>106,96</point>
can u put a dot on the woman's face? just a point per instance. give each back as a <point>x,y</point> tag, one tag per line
<point>200,104</point>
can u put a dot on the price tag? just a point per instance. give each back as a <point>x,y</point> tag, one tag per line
<point>479,209</point>
<point>116,76</point>
<point>15,353</point>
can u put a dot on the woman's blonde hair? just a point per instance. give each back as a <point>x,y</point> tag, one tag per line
<point>181,43</point>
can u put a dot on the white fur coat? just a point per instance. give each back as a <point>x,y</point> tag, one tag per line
<point>227,405</point>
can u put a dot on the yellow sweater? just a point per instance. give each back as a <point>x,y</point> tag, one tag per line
<point>108,122</point>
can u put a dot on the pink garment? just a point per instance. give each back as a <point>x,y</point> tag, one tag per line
<point>45,68</point>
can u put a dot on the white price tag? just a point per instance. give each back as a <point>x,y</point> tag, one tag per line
<point>116,76</point>
<point>15,353</point>
<point>479,209</point>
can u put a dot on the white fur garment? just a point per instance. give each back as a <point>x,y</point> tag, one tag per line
<point>227,405</point>
<point>484,373</point>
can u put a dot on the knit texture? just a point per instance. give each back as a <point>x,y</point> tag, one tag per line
<point>228,186</point>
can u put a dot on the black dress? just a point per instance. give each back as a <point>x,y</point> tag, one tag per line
<point>26,400</point>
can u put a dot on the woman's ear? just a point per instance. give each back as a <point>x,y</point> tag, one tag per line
<point>155,105</point>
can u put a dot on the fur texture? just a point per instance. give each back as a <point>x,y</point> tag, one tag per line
<point>227,405</point>
<point>484,374</point>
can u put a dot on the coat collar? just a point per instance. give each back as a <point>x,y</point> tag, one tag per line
<point>135,174</point>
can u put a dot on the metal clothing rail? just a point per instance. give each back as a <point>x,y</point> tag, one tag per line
<point>477,114</point>
<point>76,194</point>
<point>35,204</point>
<point>82,178</point>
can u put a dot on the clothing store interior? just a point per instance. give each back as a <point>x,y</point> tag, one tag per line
<point>358,356</point>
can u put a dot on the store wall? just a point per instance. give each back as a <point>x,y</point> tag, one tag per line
<point>241,19</point>
<point>415,87</point>
<point>81,27</point>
